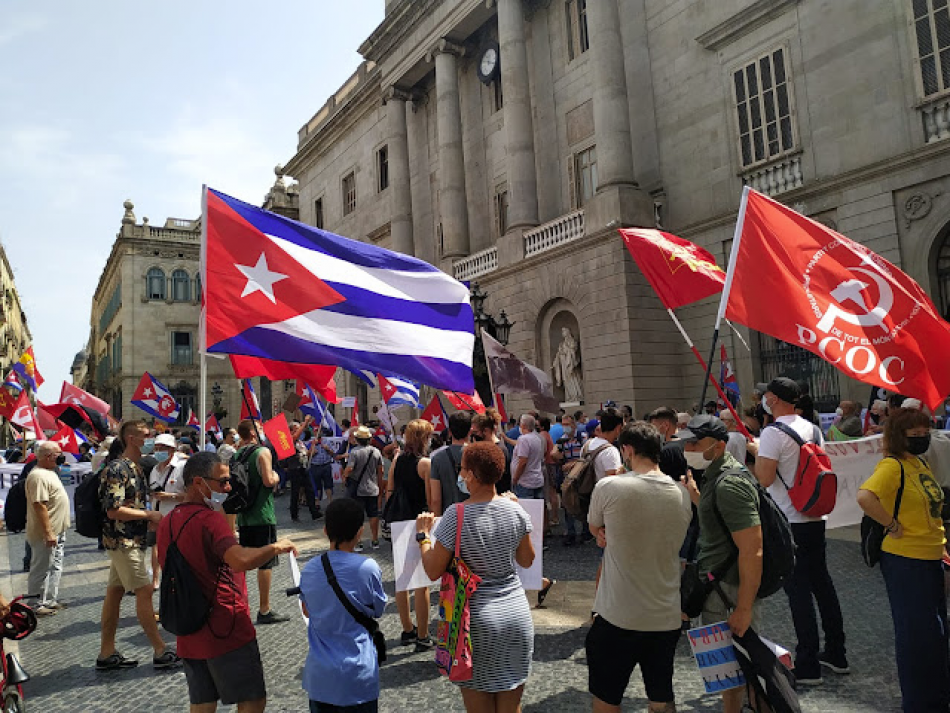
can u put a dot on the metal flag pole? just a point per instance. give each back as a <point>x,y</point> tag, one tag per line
<point>203,397</point>
<point>702,363</point>
<point>739,335</point>
<point>203,269</point>
<point>726,289</point>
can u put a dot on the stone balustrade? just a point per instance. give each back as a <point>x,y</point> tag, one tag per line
<point>936,116</point>
<point>556,232</point>
<point>776,177</point>
<point>481,263</point>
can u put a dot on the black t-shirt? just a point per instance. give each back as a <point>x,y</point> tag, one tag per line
<point>673,459</point>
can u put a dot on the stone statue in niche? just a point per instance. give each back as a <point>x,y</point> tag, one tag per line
<point>567,367</point>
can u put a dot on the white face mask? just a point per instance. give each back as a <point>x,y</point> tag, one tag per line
<point>768,409</point>
<point>463,488</point>
<point>696,460</point>
<point>216,500</point>
<point>838,412</point>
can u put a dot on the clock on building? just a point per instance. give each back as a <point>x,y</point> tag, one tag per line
<point>488,64</point>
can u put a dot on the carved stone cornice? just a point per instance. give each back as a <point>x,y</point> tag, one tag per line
<point>445,46</point>
<point>398,94</point>
<point>742,23</point>
<point>399,23</point>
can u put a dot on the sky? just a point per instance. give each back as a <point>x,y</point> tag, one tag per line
<point>106,101</point>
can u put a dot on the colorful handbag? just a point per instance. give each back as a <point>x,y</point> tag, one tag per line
<point>453,646</point>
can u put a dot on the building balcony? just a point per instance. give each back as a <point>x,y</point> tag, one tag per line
<point>562,230</point>
<point>481,263</point>
<point>936,118</point>
<point>776,177</point>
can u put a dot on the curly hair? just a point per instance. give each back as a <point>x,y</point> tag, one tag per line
<point>417,436</point>
<point>899,421</point>
<point>487,421</point>
<point>485,460</point>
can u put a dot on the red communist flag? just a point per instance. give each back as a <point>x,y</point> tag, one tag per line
<point>681,272</point>
<point>278,433</point>
<point>810,286</point>
<point>320,378</point>
<point>465,402</point>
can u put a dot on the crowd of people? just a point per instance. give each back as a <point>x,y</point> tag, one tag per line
<point>669,489</point>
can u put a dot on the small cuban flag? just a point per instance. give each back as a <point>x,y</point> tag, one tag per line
<point>152,397</point>
<point>398,391</point>
<point>11,382</point>
<point>193,421</point>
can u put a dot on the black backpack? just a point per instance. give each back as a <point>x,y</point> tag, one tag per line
<point>14,510</point>
<point>88,507</point>
<point>183,606</point>
<point>778,544</point>
<point>242,496</point>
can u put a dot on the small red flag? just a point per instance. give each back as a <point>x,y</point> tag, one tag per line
<point>465,402</point>
<point>23,415</point>
<point>319,377</point>
<point>435,415</point>
<point>810,286</point>
<point>8,403</point>
<point>681,272</point>
<point>500,407</point>
<point>72,394</point>
<point>277,431</point>
<point>355,418</point>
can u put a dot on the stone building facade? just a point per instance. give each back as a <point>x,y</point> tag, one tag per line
<point>505,141</point>
<point>144,317</point>
<point>15,335</point>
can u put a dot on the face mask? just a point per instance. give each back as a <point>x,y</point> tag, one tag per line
<point>696,460</point>
<point>918,445</point>
<point>216,499</point>
<point>463,488</point>
<point>839,413</point>
<point>768,409</point>
<point>160,456</point>
<point>61,459</point>
<point>568,430</point>
<point>149,446</point>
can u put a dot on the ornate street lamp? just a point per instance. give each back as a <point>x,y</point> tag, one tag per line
<point>503,328</point>
<point>216,392</point>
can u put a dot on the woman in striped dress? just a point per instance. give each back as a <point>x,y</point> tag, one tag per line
<point>495,536</point>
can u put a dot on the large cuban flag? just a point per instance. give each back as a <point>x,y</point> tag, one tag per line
<point>278,289</point>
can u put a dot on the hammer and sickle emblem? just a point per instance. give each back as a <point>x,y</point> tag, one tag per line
<point>853,291</point>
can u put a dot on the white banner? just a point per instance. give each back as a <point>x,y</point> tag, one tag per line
<point>853,462</point>
<point>407,563</point>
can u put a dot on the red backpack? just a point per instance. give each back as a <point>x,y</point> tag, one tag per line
<point>815,488</point>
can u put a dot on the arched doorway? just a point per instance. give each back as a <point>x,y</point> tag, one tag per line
<point>943,275</point>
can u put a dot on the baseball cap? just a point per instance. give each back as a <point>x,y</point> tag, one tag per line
<point>165,439</point>
<point>592,426</point>
<point>704,426</point>
<point>786,389</point>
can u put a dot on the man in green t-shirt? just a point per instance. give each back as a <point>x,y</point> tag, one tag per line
<point>257,526</point>
<point>737,499</point>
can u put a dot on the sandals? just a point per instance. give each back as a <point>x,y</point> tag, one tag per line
<point>542,595</point>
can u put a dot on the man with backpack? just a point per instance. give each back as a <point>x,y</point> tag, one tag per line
<point>257,522</point>
<point>447,464</point>
<point>730,531</point>
<point>47,519</point>
<point>777,468</point>
<point>208,605</point>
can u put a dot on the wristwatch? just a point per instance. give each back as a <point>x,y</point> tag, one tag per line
<point>422,536</point>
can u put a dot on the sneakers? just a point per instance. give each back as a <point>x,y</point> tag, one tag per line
<point>168,659</point>
<point>375,544</point>
<point>807,675</point>
<point>115,662</point>
<point>838,664</point>
<point>409,637</point>
<point>58,605</point>
<point>569,540</point>
<point>44,610</point>
<point>424,644</point>
<point>271,617</point>
<point>358,548</point>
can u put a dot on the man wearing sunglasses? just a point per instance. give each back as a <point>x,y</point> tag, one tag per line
<point>222,660</point>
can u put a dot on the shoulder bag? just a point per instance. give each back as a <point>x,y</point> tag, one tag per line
<point>873,533</point>
<point>364,620</point>
<point>353,486</point>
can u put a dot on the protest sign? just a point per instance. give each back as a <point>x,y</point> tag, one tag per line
<point>407,562</point>
<point>853,463</point>
<point>715,656</point>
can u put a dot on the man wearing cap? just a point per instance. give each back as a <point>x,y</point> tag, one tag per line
<point>167,488</point>
<point>775,467</point>
<point>363,473</point>
<point>736,527</point>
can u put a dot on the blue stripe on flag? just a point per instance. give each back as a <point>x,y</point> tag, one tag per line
<point>364,303</point>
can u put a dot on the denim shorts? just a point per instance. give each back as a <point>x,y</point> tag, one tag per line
<point>529,493</point>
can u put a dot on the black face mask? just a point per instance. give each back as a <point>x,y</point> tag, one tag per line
<point>918,445</point>
<point>61,459</point>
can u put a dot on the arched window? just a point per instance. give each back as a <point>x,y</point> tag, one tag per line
<point>181,286</point>
<point>155,284</point>
<point>943,277</point>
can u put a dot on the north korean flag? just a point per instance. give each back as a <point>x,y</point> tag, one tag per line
<point>152,397</point>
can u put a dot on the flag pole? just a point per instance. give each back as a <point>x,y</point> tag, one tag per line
<point>726,289</point>
<point>741,338</point>
<point>689,342</point>
<point>202,336</point>
<point>203,397</point>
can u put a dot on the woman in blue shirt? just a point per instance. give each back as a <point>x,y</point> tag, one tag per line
<point>342,674</point>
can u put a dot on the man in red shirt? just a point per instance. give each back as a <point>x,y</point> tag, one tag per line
<point>221,660</point>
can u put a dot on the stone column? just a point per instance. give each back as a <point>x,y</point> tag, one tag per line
<point>452,205</point>
<point>522,177</point>
<point>401,220</point>
<point>611,111</point>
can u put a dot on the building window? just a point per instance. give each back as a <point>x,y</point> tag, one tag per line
<point>382,170</point>
<point>117,353</point>
<point>763,101</point>
<point>181,286</point>
<point>349,193</point>
<point>943,276</point>
<point>585,175</point>
<point>932,30</point>
<point>187,397</point>
<point>501,211</point>
<point>778,358</point>
<point>115,302</point>
<point>198,286</point>
<point>578,41</point>
<point>318,213</point>
<point>497,94</point>
<point>181,348</point>
<point>155,284</point>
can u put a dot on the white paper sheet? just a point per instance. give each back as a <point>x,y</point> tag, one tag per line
<point>295,575</point>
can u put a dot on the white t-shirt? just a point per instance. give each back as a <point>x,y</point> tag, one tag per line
<point>529,446</point>
<point>176,480</point>
<point>608,459</point>
<point>736,445</point>
<point>782,448</point>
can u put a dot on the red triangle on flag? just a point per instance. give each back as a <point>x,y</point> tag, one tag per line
<point>435,414</point>
<point>66,438</point>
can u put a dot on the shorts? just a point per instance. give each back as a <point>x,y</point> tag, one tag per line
<point>368,707</point>
<point>370,504</point>
<point>234,677</point>
<point>529,493</point>
<point>259,536</point>
<point>322,476</point>
<point>714,610</point>
<point>613,653</point>
<point>128,569</point>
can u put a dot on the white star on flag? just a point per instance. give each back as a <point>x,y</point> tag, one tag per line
<point>147,391</point>
<point>64,441</point>
<point>437,422</point>
<point>260,279</point>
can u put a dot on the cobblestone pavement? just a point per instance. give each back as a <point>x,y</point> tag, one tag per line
<point>61,654</point>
